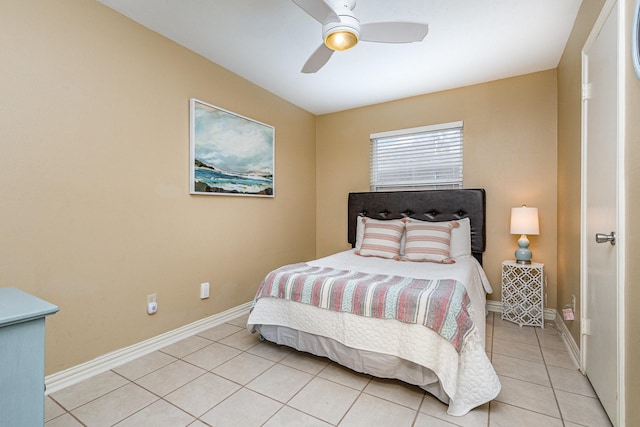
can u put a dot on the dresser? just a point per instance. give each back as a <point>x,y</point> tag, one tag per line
<point>22,318</point>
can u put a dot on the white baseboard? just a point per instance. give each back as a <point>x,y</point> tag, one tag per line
<point>550,314</point>
<point>78,373</point>
<point>574,350</point>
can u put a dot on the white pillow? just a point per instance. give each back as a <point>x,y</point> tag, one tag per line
<point>428,241</point>
<point>461,239</point>
<point>381,238</point>
<point>359,232</point>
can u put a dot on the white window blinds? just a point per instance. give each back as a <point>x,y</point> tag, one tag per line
<point>428,157</point>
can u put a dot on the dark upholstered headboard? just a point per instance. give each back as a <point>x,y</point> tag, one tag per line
<point>431,205</point>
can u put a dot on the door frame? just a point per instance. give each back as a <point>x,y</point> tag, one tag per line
<point>620,197</point>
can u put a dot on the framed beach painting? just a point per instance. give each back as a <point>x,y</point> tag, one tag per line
<point>230,154</point>
<point>635,39</point>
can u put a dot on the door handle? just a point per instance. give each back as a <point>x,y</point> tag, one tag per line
<point>604,238</point>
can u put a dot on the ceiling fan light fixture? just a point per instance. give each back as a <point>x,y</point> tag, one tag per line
<point>341,30</point>
<point>341,39</point>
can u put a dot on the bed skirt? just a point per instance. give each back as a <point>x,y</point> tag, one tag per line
<point>366,362</point>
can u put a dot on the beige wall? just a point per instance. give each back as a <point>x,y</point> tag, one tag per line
<point>569,155</point>
<point>94,204</point>
<point>509,149</point>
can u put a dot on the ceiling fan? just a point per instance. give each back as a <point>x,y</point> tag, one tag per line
<point>341,30</point>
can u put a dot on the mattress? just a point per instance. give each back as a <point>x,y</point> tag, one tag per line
<point>389,348</point>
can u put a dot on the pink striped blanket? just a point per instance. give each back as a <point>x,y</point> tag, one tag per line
<point>440,305</point>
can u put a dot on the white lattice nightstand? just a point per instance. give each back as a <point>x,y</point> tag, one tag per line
<point>523,293</point>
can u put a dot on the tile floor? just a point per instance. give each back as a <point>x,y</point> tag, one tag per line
<point>227,377</point>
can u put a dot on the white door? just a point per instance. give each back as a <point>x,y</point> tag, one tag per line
<point>600,260</point>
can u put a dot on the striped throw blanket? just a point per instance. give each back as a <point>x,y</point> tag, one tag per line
<point>440,305</point>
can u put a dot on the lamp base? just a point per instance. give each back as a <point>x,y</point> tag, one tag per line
<point>523,254</point>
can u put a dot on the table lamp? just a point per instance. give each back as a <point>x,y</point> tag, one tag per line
<point>524,220</point>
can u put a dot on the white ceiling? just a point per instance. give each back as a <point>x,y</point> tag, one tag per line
<point>268,41</point>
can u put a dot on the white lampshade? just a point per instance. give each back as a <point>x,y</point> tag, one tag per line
<point>524,220</point>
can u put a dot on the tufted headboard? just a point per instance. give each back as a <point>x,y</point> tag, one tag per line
<point>431,205</point>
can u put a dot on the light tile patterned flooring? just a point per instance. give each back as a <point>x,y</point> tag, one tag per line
<point>226,377</point>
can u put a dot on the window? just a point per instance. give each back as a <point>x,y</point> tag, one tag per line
<point>424,158</point>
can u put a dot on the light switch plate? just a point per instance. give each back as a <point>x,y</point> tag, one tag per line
<point>204,290</point>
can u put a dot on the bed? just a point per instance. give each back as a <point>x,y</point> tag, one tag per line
<point>428,329</point>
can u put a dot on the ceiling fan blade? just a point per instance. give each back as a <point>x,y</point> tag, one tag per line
<point>317,59</point>
<point>393,32</point>
<point>318,9</point>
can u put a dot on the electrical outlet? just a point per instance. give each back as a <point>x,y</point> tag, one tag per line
<point>204,290</point>
<point>152,305</point>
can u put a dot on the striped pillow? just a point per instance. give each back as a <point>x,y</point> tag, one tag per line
<point>428,241</point>
<point>381,238</point>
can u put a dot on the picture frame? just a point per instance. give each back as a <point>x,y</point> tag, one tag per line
<point>635,39</point>
<point>230,154</point>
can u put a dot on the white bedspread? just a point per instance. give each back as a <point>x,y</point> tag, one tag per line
<point>467,378</point>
